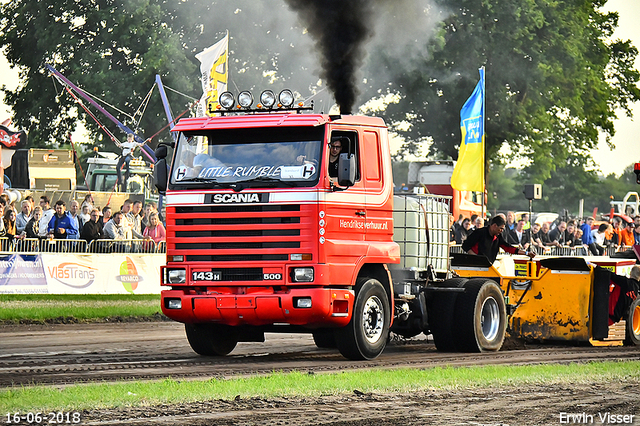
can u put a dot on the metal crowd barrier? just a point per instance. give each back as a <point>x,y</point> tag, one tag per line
<point>122,246</point>
<point>63,246</point>
<point>580,251</point>
<point>36,245</point>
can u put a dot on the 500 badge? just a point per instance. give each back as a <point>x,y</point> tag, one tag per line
<point>271,277</point>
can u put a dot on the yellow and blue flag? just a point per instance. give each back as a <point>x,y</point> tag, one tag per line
<point>468,174</point>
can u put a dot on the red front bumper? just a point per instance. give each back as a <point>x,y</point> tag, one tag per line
<point>329,307</point>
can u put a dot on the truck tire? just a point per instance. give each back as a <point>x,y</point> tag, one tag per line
<point>365,337</point>
<point>325,338</point>
<point>481,317</point>
<point>211,339</point>
<point>440,311</point>
<point>633,324</point>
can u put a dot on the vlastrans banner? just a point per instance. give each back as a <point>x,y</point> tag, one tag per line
<point>214,71</point>
<point>117,273</point>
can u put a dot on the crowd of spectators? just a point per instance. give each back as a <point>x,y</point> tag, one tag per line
<point>80,221</point>
<point>594,237</point>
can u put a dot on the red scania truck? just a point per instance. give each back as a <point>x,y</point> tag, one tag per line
<point>260,237</point>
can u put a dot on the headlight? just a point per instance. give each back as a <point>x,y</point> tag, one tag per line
<point>286,98</point>
<point>226,100</point>
<point>302,275</point>
<point>267,98</point>
<point>245,99</point>
<point>176,276</point>
<point>302,302</point>
<point>173,303</point>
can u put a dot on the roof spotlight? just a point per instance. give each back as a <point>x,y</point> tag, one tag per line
<point>226,100</point>
<point>286,98</point>
<point>245,99</point>
<point>268,98</point>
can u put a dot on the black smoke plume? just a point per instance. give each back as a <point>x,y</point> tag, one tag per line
<point>340,29</point>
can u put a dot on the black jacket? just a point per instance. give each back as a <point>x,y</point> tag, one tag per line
<point>92,231</point>
<point>483,243</point>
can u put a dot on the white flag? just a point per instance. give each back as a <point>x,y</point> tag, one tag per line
<point>213,67</point>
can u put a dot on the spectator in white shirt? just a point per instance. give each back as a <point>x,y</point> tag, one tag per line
<point>24,216</point>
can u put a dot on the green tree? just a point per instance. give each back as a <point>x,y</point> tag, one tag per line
<point>109,48</point>
<point>114,48</point>
<point>553,81</point>
<point>503,191</point>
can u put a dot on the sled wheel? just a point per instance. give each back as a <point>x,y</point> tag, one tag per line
<point>324,338</point>
<point>481,317</point>
<point>211,339</point>
<point>365,337</point>
<point>633,324</point>
<point>440,312</point>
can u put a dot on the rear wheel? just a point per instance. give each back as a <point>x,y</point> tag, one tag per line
<point>633,324</point>
<point>481,317</point>
<point>365,337</point>
<point>440,311</point>
<point>211,339</point>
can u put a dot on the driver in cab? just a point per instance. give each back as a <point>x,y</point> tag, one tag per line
<point>335,149</point>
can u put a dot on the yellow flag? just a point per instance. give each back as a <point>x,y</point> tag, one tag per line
<point>468,174</point>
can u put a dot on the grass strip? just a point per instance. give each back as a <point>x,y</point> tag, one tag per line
<point>299,384</point>
<point>44,307</point>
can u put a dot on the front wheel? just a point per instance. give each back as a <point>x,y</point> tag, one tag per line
<point>365,337</point>
<point>211,339</point>
<point>633,324</point>
<point>481,317</point>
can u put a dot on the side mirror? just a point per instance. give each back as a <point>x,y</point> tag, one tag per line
<point>160,174</point>
<point>161,152</point>
<point>346,170</point>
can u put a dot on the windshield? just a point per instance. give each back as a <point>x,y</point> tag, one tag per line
<point>249,157</point>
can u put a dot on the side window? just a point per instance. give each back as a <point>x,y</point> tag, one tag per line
<point>342,142</point>
<point>372,152</point>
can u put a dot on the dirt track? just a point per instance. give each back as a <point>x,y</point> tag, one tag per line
<point>528,405</point>
<point>70,353</point>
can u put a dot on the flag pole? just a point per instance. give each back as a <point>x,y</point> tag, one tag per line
<point>484,133</point>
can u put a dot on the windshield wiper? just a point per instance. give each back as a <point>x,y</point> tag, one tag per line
<point>213,182</point>
<point>268,180</point>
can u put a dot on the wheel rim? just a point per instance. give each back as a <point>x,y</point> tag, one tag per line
<point>373,319</point>
<point>490,320</point>
<point>635,321</point>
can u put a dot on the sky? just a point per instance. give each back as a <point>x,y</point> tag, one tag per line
<point>626,139</point>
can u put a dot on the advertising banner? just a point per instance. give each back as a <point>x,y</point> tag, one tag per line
<point>22,273</point>
<point>117,273</point>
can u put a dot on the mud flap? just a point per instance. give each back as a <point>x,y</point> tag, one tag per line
<point>600,327</point>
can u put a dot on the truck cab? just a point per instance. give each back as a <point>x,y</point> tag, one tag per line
<point>261,238</point>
